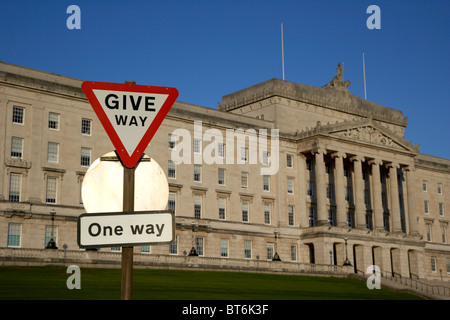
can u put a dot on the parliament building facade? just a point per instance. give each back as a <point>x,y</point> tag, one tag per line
<point>346,185</point>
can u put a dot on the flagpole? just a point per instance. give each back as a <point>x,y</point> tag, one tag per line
<point>364,73</point>
<point>282,49</point>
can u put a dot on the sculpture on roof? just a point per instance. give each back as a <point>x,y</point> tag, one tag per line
<point>338,80</point>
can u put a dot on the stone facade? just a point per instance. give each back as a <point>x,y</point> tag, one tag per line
<point>348,184</point>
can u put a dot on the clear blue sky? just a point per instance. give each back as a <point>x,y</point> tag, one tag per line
<point>207,49</point>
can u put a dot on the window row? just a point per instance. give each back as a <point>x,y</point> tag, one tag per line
<point>442,229</point>
<point>426,207</point>
<point>425,187</point>
<point>14,237</point>
<point>433,262</point>
<point>18,117</point>
<point>17,144</point>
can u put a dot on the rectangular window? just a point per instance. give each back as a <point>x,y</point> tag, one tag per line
<point>265,159</point>
<point>424,185</point>
<point>14,234</point>
<point>266,213</point>
<point>197,145</point>
<point>197,206</point>
<point>331,217</point>
<point>171,170</point>
<point>441,209</point>
<point>224,248</point>
<point>199,245</point>
<point>348,193</point>
<point>329,191</point>
<point>308,164</point>
<point>145,249</point>
<point>222,208</point>
<point>293,252</point>
<point>426,207</point>
<point>439,188</point>
<point>17,116</point>
<point>171,203</point>
<point>433,264</point>
<point>221,150</point>
<point>172,139</point>
<point>50,233</point>
<point>291,215</point>
<point>312,216</point>
<point>197,173</point>
<point>52,152</point>
<point>244,154</point>
<point>443,234</point>
<point>269,251</point>
<point>221,176</point>
<point>53,121</point>
<point>447,261</point>
<point>244,179</point>
<point>245,210</point>
<point>289,162</point>
<point>266,183</point>
<point>247,249</point>
<point>85,157</point>
<point>309,188</point>
<point>428,230</point>
<point>16,147</point>
<point>15,184</point>
<point>173,246</point>
<point>50,190</point>
<point>290,185</point>
<point>86,125</point>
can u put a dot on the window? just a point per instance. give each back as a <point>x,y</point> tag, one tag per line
<point>224,248</point>
<point>447,261</point>
<point>346,172</point>
<point>86,125</point>
<point>197,173</point>
<point>172,139</point>
<point>244,154</point>
<point>439,188</point>
<point>290,185</point>
<point>289,163</point>
<point>266,213</point>
<point>348,192</point>
<point>17,116</point>
<point>222,208</point>
<point>290,215</point>
<point>244,179</point>
<point>51,232</point>
<point>52,152</point>
<point>50,190</point>
<point>197,206</point>
<point>329,191</point>
<point>173,246</point>
<point>171,170</point>
<point>221,176</point>
<point>312,216</point>
<point>441,209</point>
<point>265,158</point>
<point>327,168</point>
<point>14,233</point>
<point>247,249</point>
<point>199,245</point>
<point>293,252</point>
<point>309,188</point>
<point>245,210</point>
<point>331,217</point>
<point>197,145</point>
<point>443,234</point>
<point>53,121</point>
<point>16,147</point>
<point>266,183</point>
<point>269,251</point>
<point>424,185</point>
<point>85,157</point>
<point>145,249</point>
<point>221,150</point>
<point>426,207</point>
<point>308,164</point>
<point>433,264</point>
<point>15,182</point>
<point>171,203</point>
<point>428,230</point>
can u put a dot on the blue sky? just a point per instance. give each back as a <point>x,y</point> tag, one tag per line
<point>207,49</point>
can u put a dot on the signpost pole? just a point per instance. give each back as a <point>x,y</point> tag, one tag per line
<point>127,252</point>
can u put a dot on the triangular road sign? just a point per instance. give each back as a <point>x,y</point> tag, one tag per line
<point>130,114</point>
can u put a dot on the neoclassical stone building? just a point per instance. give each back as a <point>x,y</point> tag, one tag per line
<point>347,184</point>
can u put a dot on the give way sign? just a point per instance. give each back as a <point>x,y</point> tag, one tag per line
<point>130,114</point>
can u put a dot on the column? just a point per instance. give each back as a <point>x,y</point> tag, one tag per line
<point>412,214</point>
<point>321,188</point>
<point>377,209</point>
<point>360,207</point>
<point>395,204</point>
<point>341,215</point>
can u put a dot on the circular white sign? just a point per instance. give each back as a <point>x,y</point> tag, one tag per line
<point>102,188</point>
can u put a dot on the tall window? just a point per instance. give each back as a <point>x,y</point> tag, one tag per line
<point>244,154</point>
<point>50,190</point>
<point>15,182</point>
<point>290,215</point>
<point>269,250</point>
<point>293,252</point>
<point>428,231</point>
<point>221,150</point>
<point>86,125</point>
<point>424,185</point>
<point>197,206</point>
<point>171,204</point>
<point>199,245</point>
<point>290,185</point>
<point>244,179</point>
<point>173,246</point>
<point>310,188</point>
<point>172,139</point>
<point>312,217</point>
<point>439,188</point>
<point>222,208</point>
<point>221,176</point>
<point>433,264</point>
<point>266,213</point>
<point>443,234</point>
<point>171,171</point>
<point>197,173</point>
<point>16,147</point>
<point>245,210</point>
<point>14,233</point>
<point>51,232</point>
<point>426,207</point>
<point>52,152</point>
<point>197,145</point>
<point>224,248</point>
<point>17,116</point>
<point>85,157</point>
<point>266,183</point>
<point>53,121</point>
<point>441,209</point>
<point>247,249</point>
<point>289,162</point>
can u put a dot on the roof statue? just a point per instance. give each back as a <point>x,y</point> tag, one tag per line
<point>338,80</point>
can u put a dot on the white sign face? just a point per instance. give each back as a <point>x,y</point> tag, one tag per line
<point>130,113</point>
<point>125,229</point>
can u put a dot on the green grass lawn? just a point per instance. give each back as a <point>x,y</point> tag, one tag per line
<point>152,284</point>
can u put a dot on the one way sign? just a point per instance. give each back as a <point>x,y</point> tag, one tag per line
<point>130,114</point>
